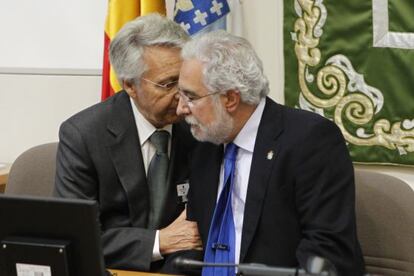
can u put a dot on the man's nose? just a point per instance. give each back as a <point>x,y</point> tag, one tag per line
<point>182,107</point>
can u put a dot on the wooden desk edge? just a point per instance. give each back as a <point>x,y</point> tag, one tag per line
<point>133,273</point>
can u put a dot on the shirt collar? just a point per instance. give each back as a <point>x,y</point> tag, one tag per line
<point>247,135</point>
<point>145,128</point>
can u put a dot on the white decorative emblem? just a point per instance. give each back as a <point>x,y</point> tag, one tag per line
<point>382,37</point>
<point>270,155</point>
<point>200,17</point>
<point>216,7</point>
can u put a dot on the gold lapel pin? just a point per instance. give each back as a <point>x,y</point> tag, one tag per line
<point>270,155</point>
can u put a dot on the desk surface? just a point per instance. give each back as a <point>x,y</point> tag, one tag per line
<point>4,174</point>
<point>132,273</point>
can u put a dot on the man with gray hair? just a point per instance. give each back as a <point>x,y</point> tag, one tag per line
<point>130,154</point>
<point>271,184</point>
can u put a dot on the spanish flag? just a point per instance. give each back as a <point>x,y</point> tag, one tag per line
<point>119,13</point>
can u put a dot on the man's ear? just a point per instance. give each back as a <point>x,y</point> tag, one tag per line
<point>130,88</point>
<point>232,100</point>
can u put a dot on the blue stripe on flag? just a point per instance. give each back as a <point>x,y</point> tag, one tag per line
<point>195,15</point>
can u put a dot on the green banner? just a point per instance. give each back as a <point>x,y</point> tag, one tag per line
<point>353,62</point>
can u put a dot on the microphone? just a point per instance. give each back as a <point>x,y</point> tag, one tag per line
<point>185,263</point>
<point>316,264</point>
<point>317,267</point>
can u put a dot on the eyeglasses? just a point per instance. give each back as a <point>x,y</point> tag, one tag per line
<point>190,99</point>
<point>167,87</point>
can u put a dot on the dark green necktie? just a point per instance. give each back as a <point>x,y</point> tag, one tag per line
<point>157,177</point>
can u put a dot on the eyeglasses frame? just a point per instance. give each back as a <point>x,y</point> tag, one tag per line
<point>190,102</point>
<point>164,86</point>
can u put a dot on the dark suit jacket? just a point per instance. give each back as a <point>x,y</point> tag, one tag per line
<point>300,203</point>
<point>99,158</point>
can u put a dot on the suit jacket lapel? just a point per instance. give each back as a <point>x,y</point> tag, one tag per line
<point>264,156</point>
<point>212,182</point>
<point>125,151</point>
<point>205,188</point>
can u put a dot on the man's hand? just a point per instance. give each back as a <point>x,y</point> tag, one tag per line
<point>180,235</point>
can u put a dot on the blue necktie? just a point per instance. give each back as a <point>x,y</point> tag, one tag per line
<point>220,246</point>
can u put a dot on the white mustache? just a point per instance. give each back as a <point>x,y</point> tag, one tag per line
<point>191,120</point>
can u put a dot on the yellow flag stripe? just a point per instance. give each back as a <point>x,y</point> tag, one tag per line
<point>122,11</point>
<point>149,6</point>
<point>113,79</point>
<point>119,13</point>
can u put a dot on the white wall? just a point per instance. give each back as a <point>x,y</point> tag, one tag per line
<point>50,64</point>
<point>33,102</point>
<point>264,29</point>
<point>33,106</point>
<point>49,34</point>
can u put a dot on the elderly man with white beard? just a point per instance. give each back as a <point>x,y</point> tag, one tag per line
<point>270,184</point>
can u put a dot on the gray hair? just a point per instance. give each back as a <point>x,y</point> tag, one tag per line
<point>127,48</point>
<point>230,62</point>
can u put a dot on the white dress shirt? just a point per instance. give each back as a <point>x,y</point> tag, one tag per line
<point>245,140</point>
<point>145,129</point>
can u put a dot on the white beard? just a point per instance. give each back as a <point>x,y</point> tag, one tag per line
<point>216,132</point>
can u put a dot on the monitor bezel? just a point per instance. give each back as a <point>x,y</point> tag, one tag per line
<point>72,220</point>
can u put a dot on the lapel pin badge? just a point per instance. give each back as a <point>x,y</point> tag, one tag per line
<point>182,191</point>
<point>270,155</point>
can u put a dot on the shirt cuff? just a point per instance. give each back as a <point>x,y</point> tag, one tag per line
<point>156,255</point>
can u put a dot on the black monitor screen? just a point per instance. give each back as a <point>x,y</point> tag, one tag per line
<point>49,236</point>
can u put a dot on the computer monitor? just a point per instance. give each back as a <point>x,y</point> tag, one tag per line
<point>49,237</point>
